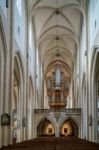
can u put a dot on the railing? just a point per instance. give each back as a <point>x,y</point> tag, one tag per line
<point>67,111</point>
<point>40,111</point>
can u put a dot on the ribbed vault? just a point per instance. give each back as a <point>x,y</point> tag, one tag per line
<point>58,28</point>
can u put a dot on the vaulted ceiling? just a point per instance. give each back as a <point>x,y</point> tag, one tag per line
<point>58,29</point>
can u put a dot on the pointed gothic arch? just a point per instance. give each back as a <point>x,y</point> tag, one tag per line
<point>45,128</point>
<point>69,127</point>
<point>18,97</point>
<point>94,88</point>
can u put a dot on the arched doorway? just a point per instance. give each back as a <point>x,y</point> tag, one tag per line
<point>69,128</point>
<point>45,129</point>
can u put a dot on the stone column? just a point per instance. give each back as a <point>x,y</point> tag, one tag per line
<point>87,64</point>
<point>57,132</point>
<point>8,78</point>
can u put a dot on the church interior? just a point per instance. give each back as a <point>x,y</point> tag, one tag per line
<point>49,74</point>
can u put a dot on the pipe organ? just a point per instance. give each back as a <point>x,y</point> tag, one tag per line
<point>58,87</point>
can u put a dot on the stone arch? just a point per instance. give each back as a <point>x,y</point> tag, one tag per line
<point>93,59</point>
<point>94,94</point>
<point>18,55</point>
<point>18,97</point>
<point>70,124</point>
<point>45,127</point>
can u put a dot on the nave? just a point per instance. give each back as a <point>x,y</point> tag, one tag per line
<point>49,74</point>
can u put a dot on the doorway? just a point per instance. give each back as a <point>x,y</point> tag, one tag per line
<point>45,129</point>
<point>69,128</point>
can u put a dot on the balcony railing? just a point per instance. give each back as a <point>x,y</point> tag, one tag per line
<point>67,111</point>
